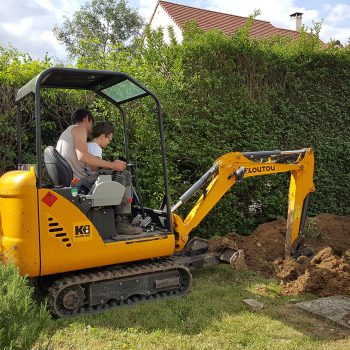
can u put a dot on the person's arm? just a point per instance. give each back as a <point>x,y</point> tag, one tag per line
<point>81,149</point>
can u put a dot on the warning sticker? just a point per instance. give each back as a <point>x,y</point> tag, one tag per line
<point>49,199</point>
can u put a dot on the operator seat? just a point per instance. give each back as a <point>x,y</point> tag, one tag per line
<point>58,168</point>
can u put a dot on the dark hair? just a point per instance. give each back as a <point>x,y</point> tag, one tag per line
<point>102,128</point>
<point>79,115</point>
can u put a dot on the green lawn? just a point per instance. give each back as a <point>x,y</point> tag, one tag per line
<point>211,316</point>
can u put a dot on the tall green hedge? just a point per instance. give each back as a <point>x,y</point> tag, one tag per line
<point>242,94</point>
<point>223,94</point>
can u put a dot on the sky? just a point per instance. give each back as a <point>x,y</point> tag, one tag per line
<point>27,24</point>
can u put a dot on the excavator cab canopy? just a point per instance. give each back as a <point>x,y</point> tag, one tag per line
<point>116,87</point>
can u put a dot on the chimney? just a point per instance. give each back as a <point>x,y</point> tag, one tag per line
<point>298,16</point>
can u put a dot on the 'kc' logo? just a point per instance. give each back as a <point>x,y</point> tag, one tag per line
<point>82,230</point>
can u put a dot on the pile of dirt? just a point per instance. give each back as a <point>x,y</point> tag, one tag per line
<point>326,273</point>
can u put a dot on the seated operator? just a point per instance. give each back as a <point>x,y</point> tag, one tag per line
<point>72,145</point>
<point>102,134</point>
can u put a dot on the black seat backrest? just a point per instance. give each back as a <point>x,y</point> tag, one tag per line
<point>58,168</point>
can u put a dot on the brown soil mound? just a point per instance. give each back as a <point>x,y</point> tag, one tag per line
<point>327,273</point>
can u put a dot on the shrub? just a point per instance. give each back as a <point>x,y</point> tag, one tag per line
<point>21,319</point>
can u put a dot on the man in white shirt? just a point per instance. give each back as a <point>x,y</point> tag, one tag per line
<point>72,145</point>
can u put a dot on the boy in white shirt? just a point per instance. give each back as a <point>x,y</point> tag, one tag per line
<point>102,134</point>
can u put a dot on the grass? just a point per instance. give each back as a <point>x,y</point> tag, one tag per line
<point>21,319</point>
<point>211,316</point>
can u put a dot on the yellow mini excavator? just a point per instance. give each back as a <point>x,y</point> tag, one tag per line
<point>65,236</point>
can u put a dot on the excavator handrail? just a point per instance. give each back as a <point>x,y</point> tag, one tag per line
<point>258,154</point>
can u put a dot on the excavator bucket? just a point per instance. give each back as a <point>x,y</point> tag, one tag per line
<point>196,254</point>
<point>235,258</point>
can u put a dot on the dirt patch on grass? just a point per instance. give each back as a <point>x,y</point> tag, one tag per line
<point>326,273</point>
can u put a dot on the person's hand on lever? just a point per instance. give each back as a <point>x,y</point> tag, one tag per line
<point>119,165</point>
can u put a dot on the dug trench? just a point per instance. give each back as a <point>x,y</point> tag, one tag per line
<point>325,273</point>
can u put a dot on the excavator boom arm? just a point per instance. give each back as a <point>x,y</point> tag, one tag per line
<point>234,167</point>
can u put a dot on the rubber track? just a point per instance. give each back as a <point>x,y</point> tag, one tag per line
<point>109,273</point>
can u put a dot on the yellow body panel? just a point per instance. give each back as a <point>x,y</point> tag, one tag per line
<point>19,233</point>
<point>26,240</point>
<point>82,247</point>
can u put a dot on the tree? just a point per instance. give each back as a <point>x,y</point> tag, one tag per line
<point>98,27</point>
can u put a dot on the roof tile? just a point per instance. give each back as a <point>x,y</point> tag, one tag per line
<point>225,22</point>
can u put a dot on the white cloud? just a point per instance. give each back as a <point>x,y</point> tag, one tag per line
<point>335,24</point>
<point>19,28</point>
<point>47,5</point>
<point>68,7</point>
<point>329,32</point>
<point>28,24</point>
<point>338,14</point>
<point>146,8</point>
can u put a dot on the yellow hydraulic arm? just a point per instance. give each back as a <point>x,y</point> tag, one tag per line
<point>234,167</point>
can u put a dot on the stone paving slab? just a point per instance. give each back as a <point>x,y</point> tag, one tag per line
<point>254,304</point>
<point>335,308</point>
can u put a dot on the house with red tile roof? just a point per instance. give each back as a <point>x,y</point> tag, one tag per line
<point>170,14</point>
